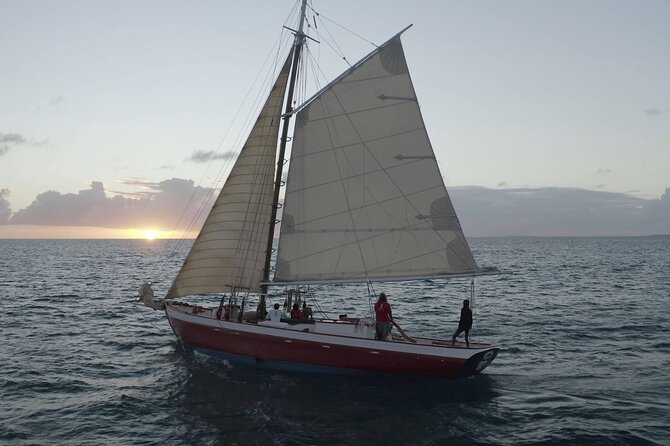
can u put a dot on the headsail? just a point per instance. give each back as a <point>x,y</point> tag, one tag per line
<point>365,198</point>
<point>230,249</point>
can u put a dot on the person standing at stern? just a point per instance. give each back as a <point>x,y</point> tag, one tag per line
<point>465,324</point>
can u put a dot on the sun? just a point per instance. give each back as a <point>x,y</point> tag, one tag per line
<point>150,234</point>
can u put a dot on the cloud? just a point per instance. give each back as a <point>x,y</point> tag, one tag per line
<point>5,209</point>
<point>141,182</point>
<point>167,167</point>
<point>602,171</point>
<point>55,102</point>
<point>482,211</point>
<point>655,112</point>
<point>9,140</point>
<point>204,156</point>
<point>161,207</point>
<point>558,212</point>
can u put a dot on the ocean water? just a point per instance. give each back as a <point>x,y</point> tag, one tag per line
<point>583,325</point>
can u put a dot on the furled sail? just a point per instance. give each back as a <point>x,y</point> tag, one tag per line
<point>230,249</point>
<point>365,199</point>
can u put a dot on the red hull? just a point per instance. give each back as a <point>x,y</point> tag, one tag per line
<point>277,345</point>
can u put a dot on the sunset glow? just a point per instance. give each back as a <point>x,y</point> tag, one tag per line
<point>150,235</point>
<point>85,232</point>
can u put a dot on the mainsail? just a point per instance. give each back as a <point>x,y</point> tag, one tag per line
<point>230,249</point>
<point>365,199</point>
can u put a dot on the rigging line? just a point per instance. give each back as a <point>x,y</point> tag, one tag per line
<point>290,17</point>
<point>253,111</point>
<point>353,126</point>
<point>205,203</point>
<point>316,70</point>
<point>289,155</point>
<point>263,169</point>
<point>309,56</point>
<point>182,239</point>
<point>254,107</point>
<point>147,320</point>
<point>374,293</point>
<point>258,170</point>
<point>321,16</point>
<point>228,161</point>
<point>319,308</point>
<point>337,50</point>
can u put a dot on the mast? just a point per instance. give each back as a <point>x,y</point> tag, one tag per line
<point>297,50</point>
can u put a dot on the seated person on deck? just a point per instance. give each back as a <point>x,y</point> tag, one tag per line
<point>296,313</point>
<point>306,311</point>
<point>274,315</point>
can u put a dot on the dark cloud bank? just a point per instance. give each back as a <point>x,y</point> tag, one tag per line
<point>559,212</point>
<point>482,211</point>
<point>158,205</point>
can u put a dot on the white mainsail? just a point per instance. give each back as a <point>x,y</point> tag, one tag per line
<point>230,249</point>
<point>365,199</point>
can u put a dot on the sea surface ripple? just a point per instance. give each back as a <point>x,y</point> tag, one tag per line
<point>583,325</point>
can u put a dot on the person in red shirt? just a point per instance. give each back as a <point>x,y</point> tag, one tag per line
<point>296,313</point>
<point>384,318</point>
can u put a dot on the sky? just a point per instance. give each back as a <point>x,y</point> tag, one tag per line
<point>539,112</point>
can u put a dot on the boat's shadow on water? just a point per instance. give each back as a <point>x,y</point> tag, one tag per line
<point>238,403</point>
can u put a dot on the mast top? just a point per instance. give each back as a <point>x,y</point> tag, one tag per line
<point>300,35</point>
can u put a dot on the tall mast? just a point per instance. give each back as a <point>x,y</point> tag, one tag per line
<point>297,50</point>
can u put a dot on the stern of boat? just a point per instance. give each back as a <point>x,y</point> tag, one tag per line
<point>478,362</point>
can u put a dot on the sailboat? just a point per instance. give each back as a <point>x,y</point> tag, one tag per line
<point>364,202</point>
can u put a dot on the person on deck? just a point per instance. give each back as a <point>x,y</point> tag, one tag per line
<point>306,311</point>
<point>275,314</point>
<point>296,313</point>
<point>384,318</point>
<point>465,324</point>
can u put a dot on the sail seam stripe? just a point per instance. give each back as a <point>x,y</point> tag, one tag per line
<point>366,110</point>
<point>376,203</point>
<point>352,177</point>
<point>364,239</point>
<point>345,146</point>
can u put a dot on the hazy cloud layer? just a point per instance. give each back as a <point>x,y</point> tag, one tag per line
<point>5,209</point>
<point>558,211</point>
<point>9,140</point>
<point>204,156</point>
<point>482,211</point>
<point>161,207</point>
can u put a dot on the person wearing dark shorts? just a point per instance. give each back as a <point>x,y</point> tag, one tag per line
<point>465,324</point>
